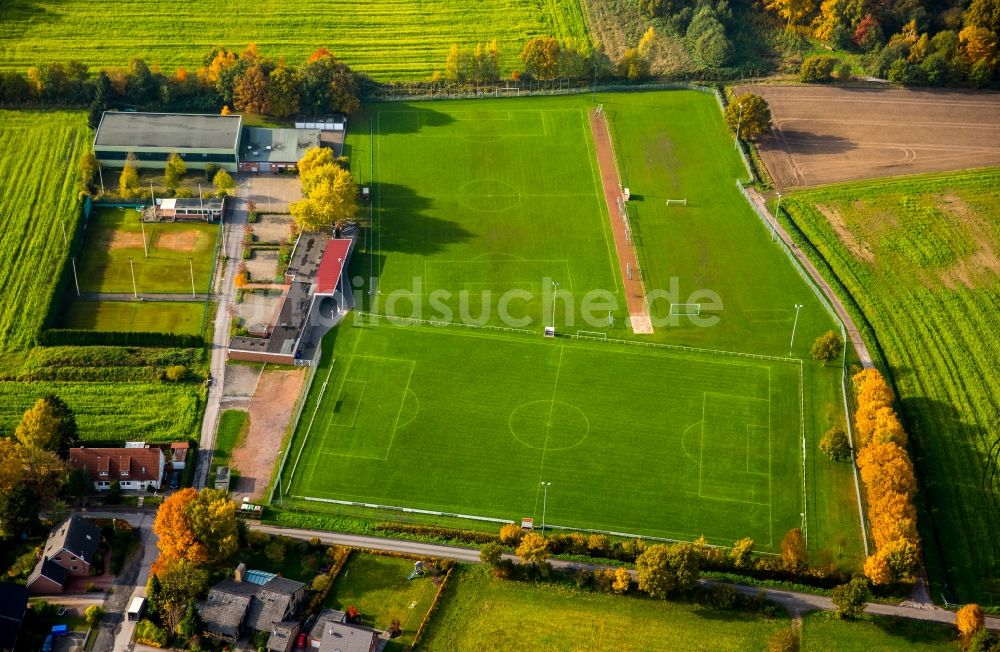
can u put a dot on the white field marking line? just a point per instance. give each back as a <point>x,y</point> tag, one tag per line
<point>402,402</point>
<point>548,421</point>
<point>415,412</point>
<point>305,439</point>
<point>770,480</point>
<point>602,207</point>
<point>802,421</point>
<point>549,195</point>
<point>684,435</point>
<point>701,463</point>
<point>354,417</point>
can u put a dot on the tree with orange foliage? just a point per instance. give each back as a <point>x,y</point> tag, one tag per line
<point>176,539</point>
<point>793,550</point>
<point>195,526</point>
<point>877,570</point>
<point>969,620</point>
<point>885,468</point>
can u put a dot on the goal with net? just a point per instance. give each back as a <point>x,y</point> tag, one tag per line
<point>685,308</point>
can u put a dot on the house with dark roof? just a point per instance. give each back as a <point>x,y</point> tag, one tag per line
<point>133,467</point>
<point>69,551</point>
<point>332,633</point>
<point>253,601</point>
<point>13,607</point>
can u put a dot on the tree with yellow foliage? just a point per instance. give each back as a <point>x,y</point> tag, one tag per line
<point>969,620</point>
<point>796,12</point>
<point>623,580</point>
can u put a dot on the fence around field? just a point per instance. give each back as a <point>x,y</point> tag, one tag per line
<point>293,424</point>
<point>770,222</point>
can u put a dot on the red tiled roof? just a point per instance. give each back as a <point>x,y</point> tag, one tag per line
<point>136,464</point>
<point>331,265</point>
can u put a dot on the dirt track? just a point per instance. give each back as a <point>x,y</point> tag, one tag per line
<point>824,134</point>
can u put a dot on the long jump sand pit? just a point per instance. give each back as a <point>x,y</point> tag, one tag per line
<point>825,134</point>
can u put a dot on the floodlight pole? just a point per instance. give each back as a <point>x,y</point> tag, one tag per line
<point>191,266</point>
<point>76,281</point>
<point>135,289</point>
<point>555,290</point>
<point>798,307</point>
<point>545,501</point>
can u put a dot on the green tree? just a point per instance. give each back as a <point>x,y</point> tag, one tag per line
<point>540,57</point>
<point>455,65</point>
<point>851,598</point>
<point>190,624</point>
<point>534,548</point>
<point>835,444</point>
<point>326,84</point>
<point>827,347</point>
<point>211,517</point>
<point>282,93</point>
<point>174,171</point>
<point>93,614</point>
<point>88,168</point>
<point>154,593</point>
<point>275,552</point>
<point>818,68</point>
<point>128,181</point>
<point>706,38</point>
<point>78,484</point>
<point>664,569</point>
<point>181,582</point>
<point>147,633</point>
<point>19,511</point>
<point>490,554</point>
<point>224,184</point>
<point>114,495</point>
<point>748,115</point>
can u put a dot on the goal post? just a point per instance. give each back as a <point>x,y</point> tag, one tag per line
<point>685,309</point>
<point>677,202</point>
<point>591,335</point>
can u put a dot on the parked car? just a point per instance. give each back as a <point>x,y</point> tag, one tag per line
<point>47,645</point>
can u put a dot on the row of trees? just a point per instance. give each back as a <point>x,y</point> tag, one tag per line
<point>33,469</point>
<point>889,481</point>
<point>245,81</point>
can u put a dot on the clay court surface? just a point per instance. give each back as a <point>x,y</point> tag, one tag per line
<point>826,135</point>
<point>120,240</point>
<point>181,241</point>
<point>270,412</point>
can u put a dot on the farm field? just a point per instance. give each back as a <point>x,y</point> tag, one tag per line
<point>478,612</point>
<point>920,259</point>
<point>827,135</point>
<point>150,412</point>
<point>39,152</point>
<point>388,39</point>
<point>115,235</point>
<point>402,418</point>
<point>377,586</point>
<point>126,316</point>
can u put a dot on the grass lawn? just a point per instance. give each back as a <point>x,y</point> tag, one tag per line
<point>389,39</point>
<point>403,418</point>
<point>479,612</point>
<point>377,587</point>
<point>39,152</point>
<point>115,235</point>
<point>126,316</point>
<point>823,633</point>
<point>919,257</point>
<point>475,200</point>
<point>231,433</point>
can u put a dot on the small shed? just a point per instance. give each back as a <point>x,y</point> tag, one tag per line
<point>222,478</point>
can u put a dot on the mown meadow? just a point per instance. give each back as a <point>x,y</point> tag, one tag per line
<point>387,39</point>
<point>919,260</point>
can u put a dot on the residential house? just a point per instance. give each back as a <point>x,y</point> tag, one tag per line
<point>13,607</point>
<point>253,601</point>
<point>332,633</point>
<point>69,551</point>
<point>136,467</point>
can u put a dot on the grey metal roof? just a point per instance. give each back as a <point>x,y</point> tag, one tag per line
<point>77,535</point>
<point>168,130</point>
<point>342,637</point>
<point>223,612</point>
<point>277,145</point>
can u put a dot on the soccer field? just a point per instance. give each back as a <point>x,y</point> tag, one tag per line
<point>642,440</point>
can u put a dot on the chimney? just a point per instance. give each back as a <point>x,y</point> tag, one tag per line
<point>240,572</point>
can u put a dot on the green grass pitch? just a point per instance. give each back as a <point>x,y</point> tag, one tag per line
<point>647,441</point>
<point>114,235</point>
<point>484,196</point>
<point>128,316</point>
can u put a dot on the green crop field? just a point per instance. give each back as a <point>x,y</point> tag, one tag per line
<point>921,258</point>
<point>478,612</point>
<point>474,200</point>
<point>39,152</point>
<point>126,316</point>
<point>388,39</point>
<point>113,411</point>
<point>114,236</point>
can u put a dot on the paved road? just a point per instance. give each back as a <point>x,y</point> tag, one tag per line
<point>793,601</point>
<point>853,334</point>
<point>225,295</point>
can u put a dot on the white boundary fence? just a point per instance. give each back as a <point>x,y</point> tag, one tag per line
<point>294,423</point>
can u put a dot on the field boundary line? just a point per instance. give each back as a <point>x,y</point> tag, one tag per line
<point>305,438</point>
<point>402,402</point>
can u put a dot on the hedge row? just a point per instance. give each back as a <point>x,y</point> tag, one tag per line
<point>437,532</point>
<point>71,337</point>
